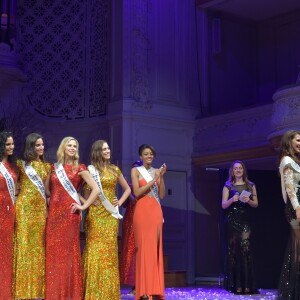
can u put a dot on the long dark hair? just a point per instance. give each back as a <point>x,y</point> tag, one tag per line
<point>231,177</point>
<point>29,153</point>
<point>97,159</point>
<point>286,148</point>
<point>4,135</point>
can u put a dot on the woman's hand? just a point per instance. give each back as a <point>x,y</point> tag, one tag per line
<point>235,198</point>
<point>157,174</point>
<point>245,199</point>
<point>115,201</point>
<point>163,169</point>
<point>76,207</point>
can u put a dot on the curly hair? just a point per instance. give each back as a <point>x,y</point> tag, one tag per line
<point>286,148</point>
<point>29,153</point>
<point>60,154</point>
<point>4,135</point>
<point>231,177</point>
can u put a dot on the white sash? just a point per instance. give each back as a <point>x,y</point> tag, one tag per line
<point>114,210</point>
<point>9,182</point>
<point>35,178</point>
<point>65,182</point>
<point>147,176</point>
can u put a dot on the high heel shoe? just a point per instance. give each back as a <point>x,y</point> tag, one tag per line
<point>238,291</point>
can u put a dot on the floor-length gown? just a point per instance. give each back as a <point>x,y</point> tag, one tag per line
<point>7,219</point>
<point>100,256</point>
<point>127,259</point>
<point>289,284</point>
<point>239,267</point>
<point>63,258</point>
<point>147,226</point>
<point>29,241</point>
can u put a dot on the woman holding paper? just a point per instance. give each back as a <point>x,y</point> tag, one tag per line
<point>289,285</point>
<point>148,187</point>
<point>8,178</point>
<point>63,259</point>
<point>238,197</point>
<point>100,257</point>
<point>31,212</point>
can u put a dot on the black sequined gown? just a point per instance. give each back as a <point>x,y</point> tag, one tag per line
<point>239,271</point>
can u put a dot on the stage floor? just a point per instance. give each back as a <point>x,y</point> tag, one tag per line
<point>205,293</point>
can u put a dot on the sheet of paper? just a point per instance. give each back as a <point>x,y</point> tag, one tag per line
<point>244,193</point>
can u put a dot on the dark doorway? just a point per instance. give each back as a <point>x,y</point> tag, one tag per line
<point>270,228</point>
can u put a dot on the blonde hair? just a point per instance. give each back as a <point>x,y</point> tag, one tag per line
<point>97,158</point>
<point>60,154</point>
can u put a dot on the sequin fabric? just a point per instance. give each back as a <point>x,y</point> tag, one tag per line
<point>63,258</point>
<point>100,257</point>
<point>29,244</point>
<point>289,284</point>
<point>127,259</point>
<point>239,267</point>
<point>7,219</point>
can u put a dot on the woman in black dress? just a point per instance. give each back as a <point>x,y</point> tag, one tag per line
<point>238,198</point>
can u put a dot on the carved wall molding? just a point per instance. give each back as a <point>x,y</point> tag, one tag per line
<point>232,132</point>
<point>140,89</point>
<point>286,111</point>
<point>64,49</point>
<point>9,71</point>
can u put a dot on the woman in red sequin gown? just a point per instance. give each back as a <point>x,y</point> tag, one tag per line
<point>127,258</point>
<point>63,259</point>
<point>147,226</point>
<point>7,216</point>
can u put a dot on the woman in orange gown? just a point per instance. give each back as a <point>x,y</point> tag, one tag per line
<point>8,178</point>
<point>63,258</point>
<point>148,187</point>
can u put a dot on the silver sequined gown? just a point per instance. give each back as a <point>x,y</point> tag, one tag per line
<point>289,284</point>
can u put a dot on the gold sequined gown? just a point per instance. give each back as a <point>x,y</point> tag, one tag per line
<point>100,257</point>
<point>29,243</point>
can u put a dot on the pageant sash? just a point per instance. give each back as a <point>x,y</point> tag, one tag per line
<point>34,178</point>
<point>147,176</point>
<point>65,182</point>
<point>9,182</point>
<point>114,210</point>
